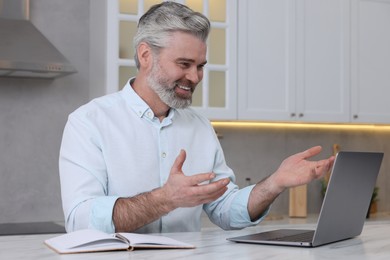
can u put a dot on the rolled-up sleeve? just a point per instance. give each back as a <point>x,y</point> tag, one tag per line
<point>101,214</point>
<point>239,215</point>
<point>83,177</point>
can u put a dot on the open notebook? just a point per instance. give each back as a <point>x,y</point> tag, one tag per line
<point>344,208</point>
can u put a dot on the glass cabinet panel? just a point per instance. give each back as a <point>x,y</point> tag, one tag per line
<point>128,6</point>
<point>217,89</point>
<point>196,5</point>
<point>217,46</point>
<point>127,31</point>
<point>217,10</point>
<point>125,73</point>
<point>197,96</point>
<point>149,3</point>
<point>212,93</point>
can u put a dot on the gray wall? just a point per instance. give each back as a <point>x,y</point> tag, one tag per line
<point>34,112</point>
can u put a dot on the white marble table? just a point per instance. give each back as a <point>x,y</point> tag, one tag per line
<point>211,243</point>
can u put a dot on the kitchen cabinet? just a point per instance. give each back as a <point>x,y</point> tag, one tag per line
<point>215,97</point>
<point>293,60</point>
<point>314,60</point>
<point>370,66</point>
<point>113,26</point>
<point>268,60</point>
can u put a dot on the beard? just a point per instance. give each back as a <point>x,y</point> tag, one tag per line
<point>166,90</point>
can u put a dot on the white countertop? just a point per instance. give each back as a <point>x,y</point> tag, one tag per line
<point>211,243</point>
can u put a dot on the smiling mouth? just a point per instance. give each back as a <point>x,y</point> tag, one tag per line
<point>184,92</point>
<point>186,88</point>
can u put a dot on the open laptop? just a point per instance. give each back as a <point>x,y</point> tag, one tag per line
<point>343,210</point>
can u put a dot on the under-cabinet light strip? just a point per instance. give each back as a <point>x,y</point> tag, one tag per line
<point>357,127</point>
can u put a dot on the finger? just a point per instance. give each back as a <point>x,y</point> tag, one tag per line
<point>214,195</point>
<point>214,186</point>
<point>322,167</point>
<point>327,163</point>
<point>198,179</point>
<point>330,163</point>
<point>179,161</point>
<point>311,152</point>
<point>212,191</point>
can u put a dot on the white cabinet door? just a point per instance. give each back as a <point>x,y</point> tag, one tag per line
<point>266,57</point>
<point>371,61</point>
<point>293,60</point>
<point>323,58</point>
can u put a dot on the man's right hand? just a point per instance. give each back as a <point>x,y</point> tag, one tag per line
<point>180,190</point>
<point>189,191</point>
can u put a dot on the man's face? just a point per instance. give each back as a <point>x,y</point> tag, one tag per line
<point>178,69</point>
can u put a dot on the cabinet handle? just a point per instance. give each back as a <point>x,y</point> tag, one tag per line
<point>300,114</point>
<point>292,115</point>
<point>355,116</point>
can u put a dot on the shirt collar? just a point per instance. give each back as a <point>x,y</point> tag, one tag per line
<point>138,105</point>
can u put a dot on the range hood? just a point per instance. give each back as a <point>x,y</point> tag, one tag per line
<point>24,50</point>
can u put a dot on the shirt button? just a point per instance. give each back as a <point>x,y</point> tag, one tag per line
<point>163,155</point>
<point>149,114</point>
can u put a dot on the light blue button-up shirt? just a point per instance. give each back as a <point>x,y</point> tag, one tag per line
<point>115,147</point>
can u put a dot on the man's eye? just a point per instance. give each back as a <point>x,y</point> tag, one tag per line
<point>184,65</point>
<point>200,67</point>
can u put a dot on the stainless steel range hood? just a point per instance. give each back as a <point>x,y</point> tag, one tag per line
<point>24,50</point>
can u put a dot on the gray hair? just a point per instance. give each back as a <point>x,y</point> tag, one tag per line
<point>157,24</point>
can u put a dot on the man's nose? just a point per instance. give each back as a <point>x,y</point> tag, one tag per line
<point>194,75</point>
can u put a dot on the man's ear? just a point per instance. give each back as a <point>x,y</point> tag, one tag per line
<point>145,56</point>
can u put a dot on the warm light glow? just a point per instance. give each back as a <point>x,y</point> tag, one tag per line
<point>303,126</point>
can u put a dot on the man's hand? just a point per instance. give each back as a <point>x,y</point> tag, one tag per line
<point>189,191</point>
<point>179,191</point>
<point>294,171</point>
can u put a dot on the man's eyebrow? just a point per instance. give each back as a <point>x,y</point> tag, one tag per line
<point>190,61</point>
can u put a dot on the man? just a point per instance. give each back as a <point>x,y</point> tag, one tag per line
<point>140,160</point>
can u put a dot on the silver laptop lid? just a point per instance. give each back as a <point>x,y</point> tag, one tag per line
<point>348,196</point>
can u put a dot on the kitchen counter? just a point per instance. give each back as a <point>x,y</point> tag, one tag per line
<point>211,243</point>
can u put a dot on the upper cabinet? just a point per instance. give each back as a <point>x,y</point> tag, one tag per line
<point>114,24</point>
<point>314,60</point>
<point>370,67</point>
<point>266,51</point>
<point>294,60</point>
<point>215,96</point>
<point>271,60</point>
